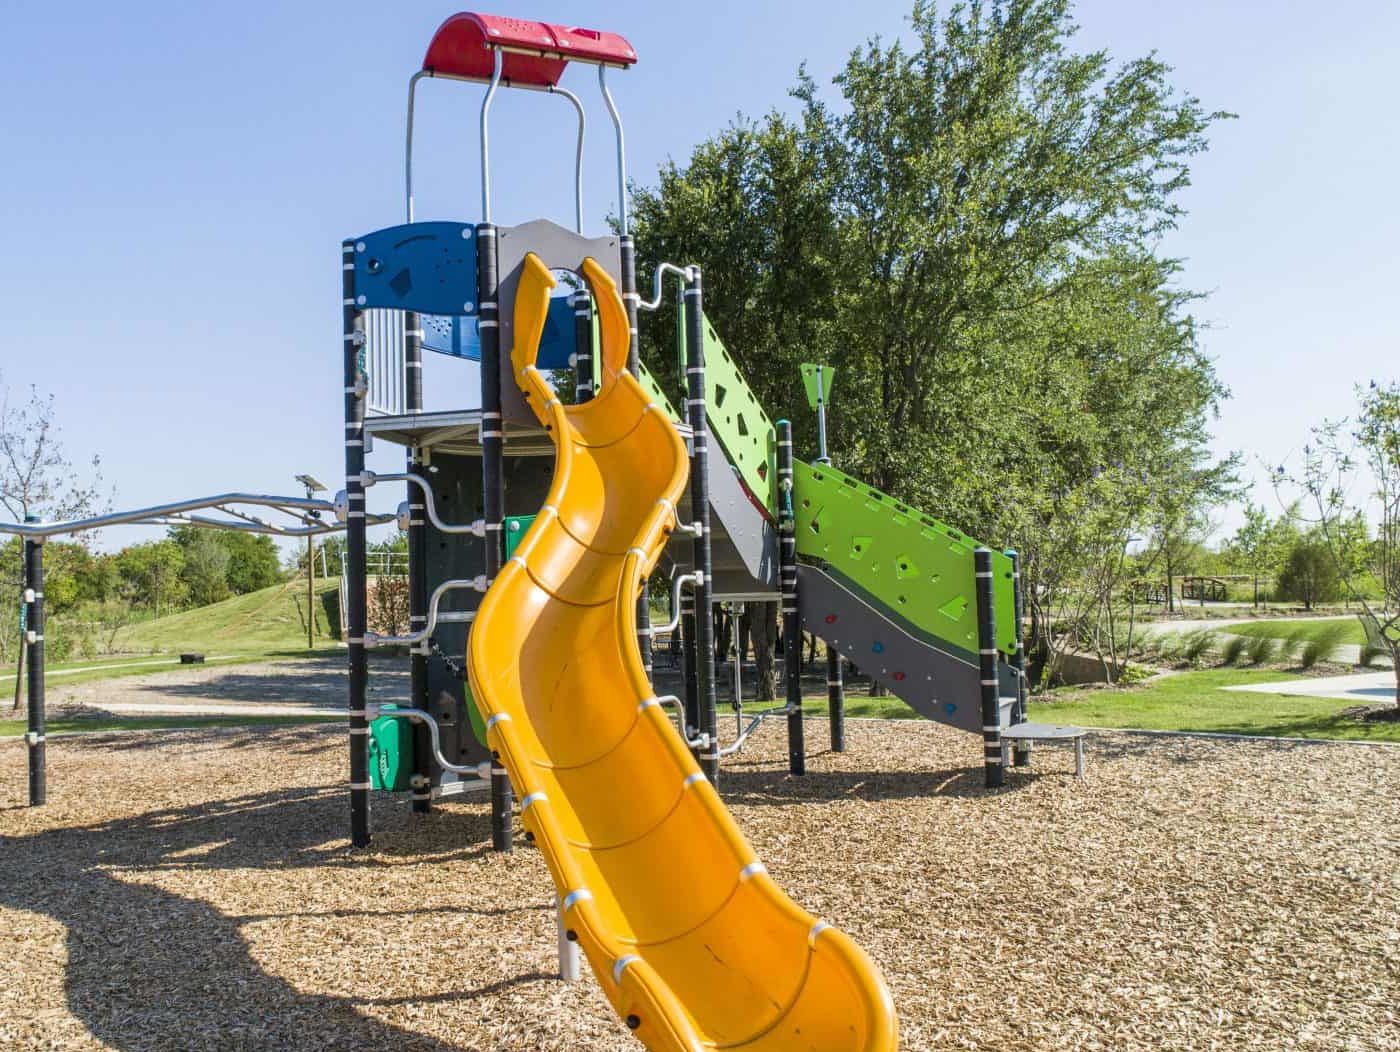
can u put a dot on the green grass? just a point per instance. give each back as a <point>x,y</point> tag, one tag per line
<point>1194,701</point>
<point>259,622</point>
<point>99,724</point>
<point>1352,632</point>
<point>1185,701</point>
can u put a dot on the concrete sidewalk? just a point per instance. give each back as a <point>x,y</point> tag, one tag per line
<point>1366,688</point>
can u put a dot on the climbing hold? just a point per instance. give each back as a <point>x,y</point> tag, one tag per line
<point>898,677</point>
<point>878,647</point>
<point>950,708</point>
<point>831,619</point>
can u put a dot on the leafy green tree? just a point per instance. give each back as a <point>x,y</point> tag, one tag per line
<point>1309,574</point>
<point>1261,544</point>
<point>1351,476</point>
<point>970,237</point>
<point>150,574</point>
<point>205,566</point>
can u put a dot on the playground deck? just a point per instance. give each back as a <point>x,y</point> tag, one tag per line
<point>194,891</point>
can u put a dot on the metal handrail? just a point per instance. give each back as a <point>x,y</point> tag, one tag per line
<point>476,528</point>
<point>419,716</point>
<point>685,273</point>
<point>475,584</point>
<point>677,582</point>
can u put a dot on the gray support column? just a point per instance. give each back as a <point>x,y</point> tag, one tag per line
<point>630,299</point>
<point>356,614</point>
<point>987,664</point>
<point>1021,754</point>
<point>792,627</point>
<point>417,570</point>
<point>35,737</point>
<point>492,477</point>
<point>704,635</point>
<point>583,345</point>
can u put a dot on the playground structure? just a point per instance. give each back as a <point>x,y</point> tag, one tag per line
<point>243,512</point>
<point>535,521</point>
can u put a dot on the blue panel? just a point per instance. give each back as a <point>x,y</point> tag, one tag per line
<point>425,267</point>
<point>458,336</point>
<point>454,336</point>
<point>559,339</point>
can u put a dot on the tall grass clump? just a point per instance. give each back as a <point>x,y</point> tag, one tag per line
<point>1321,645</point>
<point>1233,649</point>
<point>1369,653</point>
<point>1197,646</point>
<point>1261,649</point>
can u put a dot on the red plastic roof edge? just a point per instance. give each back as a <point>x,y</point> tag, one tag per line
<point>462,45</point>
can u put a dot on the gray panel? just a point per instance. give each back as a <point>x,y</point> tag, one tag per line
<point>925,678</point>
<point>558,247</point>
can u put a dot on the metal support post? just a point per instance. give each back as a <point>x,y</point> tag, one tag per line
<point>422,782</point>
<point>987,664</point>
<point>1021,754</point>
<point>35,738</point>
<point>792,629</point>
<point>356,619</point>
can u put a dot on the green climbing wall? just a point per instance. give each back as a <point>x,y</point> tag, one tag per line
<point>914,566</point>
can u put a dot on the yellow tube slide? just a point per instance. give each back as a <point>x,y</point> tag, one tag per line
<point>693,943</point>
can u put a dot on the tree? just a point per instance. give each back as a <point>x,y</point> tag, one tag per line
<point>1363,455</point>
<point>150,574</point>
<point>36,476</point>
<point>970,238</point>
<point>205,566</point>
<point>1309,574</point>
<point>1261,544</point>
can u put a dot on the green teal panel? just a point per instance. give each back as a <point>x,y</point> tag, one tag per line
<point>516,525</point>
<point>474,715</point>
<point>390,753</point>
<point>916,566</point>
<point>654,392</point>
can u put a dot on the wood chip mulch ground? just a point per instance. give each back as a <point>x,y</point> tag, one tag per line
<point>193,890</point>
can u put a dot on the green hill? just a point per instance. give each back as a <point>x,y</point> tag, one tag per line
<point>260,622</point>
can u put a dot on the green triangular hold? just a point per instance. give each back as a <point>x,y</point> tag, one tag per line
<point>810,375</point>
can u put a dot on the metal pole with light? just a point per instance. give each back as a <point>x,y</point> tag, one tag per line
<point>313,487</point>
<point>817,379</point>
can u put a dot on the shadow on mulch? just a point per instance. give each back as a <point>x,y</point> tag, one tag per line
<point>140,959</point>
<point>768,786</point>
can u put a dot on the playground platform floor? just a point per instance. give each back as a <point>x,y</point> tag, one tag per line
<point>193,890</point>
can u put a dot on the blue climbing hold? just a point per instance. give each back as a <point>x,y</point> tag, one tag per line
<point>878,648</point>
<point>950,708</point>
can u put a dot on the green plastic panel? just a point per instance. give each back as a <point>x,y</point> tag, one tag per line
<point>813,373</point>
<point>912,564</point>
<point>739,422</point>
<point>653,390</point>
<point>390,753</point>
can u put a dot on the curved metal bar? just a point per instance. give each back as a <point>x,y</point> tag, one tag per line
<point>160,514</point>
<point>679,581</point>
<point>476,529</point>
<point>408,144</point>
<point>621,152</point>
<point>476,584</point>
<point>578,155</point>
<point>758,718</point>
<point>676,703</point>
<point>486,136</point>
<point>435,735</point>
<point>657,278</point>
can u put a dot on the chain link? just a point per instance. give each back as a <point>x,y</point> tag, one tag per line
<point>457,670</point>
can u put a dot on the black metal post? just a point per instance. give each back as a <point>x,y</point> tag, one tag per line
<point>1021,754</point>
<point>987,663</point>
<point>422,784</point>
<point>356,613</point>
<point>836,699</point>
<point>583,345</point>
<point>492,478</point>
<point>704,634</point>
<point>792,628</point>
<point>688,658</point>
<point>630,299</point>
<point>35,737</point>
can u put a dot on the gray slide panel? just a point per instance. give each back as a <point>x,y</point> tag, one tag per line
<point>936,685</point>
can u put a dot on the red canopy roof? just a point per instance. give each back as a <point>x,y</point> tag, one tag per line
<point>462,47</point>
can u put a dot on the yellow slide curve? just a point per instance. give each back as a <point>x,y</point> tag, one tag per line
<point>693,943</point>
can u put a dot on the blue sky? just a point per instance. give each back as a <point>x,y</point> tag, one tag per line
<point>177,179</point>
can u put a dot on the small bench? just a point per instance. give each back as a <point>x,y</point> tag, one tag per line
<point>1046,732</point>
